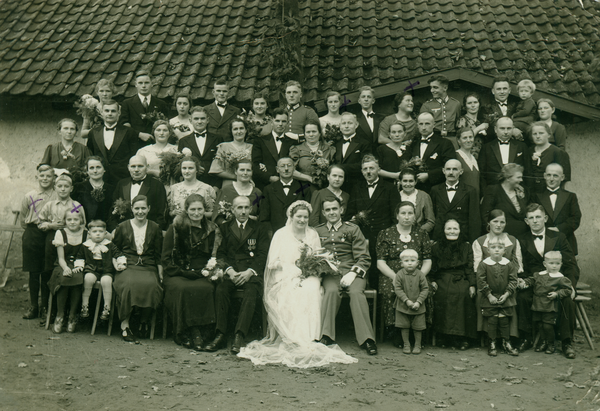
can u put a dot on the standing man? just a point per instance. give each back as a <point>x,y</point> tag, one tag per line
<point>499,152</point>
<point>562,206</point>
<point>298,113</point>
<point>455,199</point>
<point>445,109</point>
<point>368,120</point>
<point>433,149</point>
<point>201,144</point>
<point>243,249</point>
<point>378,199</point>
<point>220,113</point>
<point>142,110</point>
<point>350,151</point>
<point>501,107</point>
<point>114,143</point>
<point>349,246</point>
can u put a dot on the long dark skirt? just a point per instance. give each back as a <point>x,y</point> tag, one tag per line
<point>34,247</point>
<point>454,311</point>
<point>190,302</point>
<point>137,286</point>
<point>58,279</point>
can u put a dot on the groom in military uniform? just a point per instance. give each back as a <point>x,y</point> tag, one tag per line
<point>349,246</point>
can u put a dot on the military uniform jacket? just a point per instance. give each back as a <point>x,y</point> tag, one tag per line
<point>348,244</point>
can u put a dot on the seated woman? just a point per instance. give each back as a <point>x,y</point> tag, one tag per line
<point>393,154</point>
<point>162,132</point>
<point>335,177</point>
<point>189,243</point>
<point>542,154</point>
<point>139,285</point>
<point>509,197</point>
<point>333,101</point>
<point>105,90</point>
<point>242,186</point>
<point>190,185</point>
<point>424,216</point>
<point>67,153</point>
<point>558,135</point>
<point>404,102</point>
<point>474,119</point>
<point>453,278</point>
<point>94,194</point>
<point>470,175</point>
<point>181,124</point>
<point>230,152</point>
<point>307,155</point>
<point>390,243</point>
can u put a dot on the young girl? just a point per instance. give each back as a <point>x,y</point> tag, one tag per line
<point>98,259</point>
<point>34,238</point>
<point>497,282</point>
<point>66,279</point>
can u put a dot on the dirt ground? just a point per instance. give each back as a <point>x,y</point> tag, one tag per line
<point>43,371</point>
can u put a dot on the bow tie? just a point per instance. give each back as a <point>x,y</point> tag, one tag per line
<point>280,138</point>
<point>504,143</point>
<point>347,140</point>
<point>372,185</point>
<point>448,188</point>
<point>371,114</point>
<point>505,104</point>
<point>222,105</point>
<point>426,140</point>
<point>200,135</point>
<point>137,182</point>
<point>110,128</point>
<point>288,185</point>
<point>555,191</point>
<point>538,237</point>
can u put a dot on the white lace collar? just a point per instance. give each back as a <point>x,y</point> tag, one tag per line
<point>95,247</point>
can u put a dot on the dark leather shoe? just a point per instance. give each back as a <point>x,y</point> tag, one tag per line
<point>551,349</point>
<point>219,342</point>
<point>144,331</point>
<point>525,345</point>
<point>509,348</point>
<point>568,351</point>
<point>186,341</point>
<point>371,347</point>
<point>128,336</point>
<point>542,347</point>
<point>197,342</point>
<point>31,313</point>
<point>238,343</point>
<point>492,352</point>
<point>464,346</point>
<point>326,340</point>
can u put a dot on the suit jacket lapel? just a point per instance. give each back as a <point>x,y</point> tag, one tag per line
<point>376,193</point>
<point>145,186</point>
<point>279,193</point>
<point>561,200</point>
<point>351,147</point>
<point>270,144</point>
<point>460,193</point>
<point>138,104</point>
<point>99,138</point>
<point>431,147</point>
<point>546,203</point>
<point>249,230</point>
<point>512,152</point>
<point>227,114</point>
<point>550,241</point>
<point>127,191</point>
<point>496,150</point>
<point>119,136</point>
<point>531,245</point>
<point>214,112</point>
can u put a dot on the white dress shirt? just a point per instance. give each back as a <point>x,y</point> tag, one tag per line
<point>346,144</point>
<point>539,243</point>
<point>503,107</point>
<point>553,196</point>
<point>372,187</point>
<point>200,142</point>
<point>451,193</point>
<point>109,136</point>
<point>424,146</point>
<point>135,189</point>
<point>278,143</point>
<point>147,98</point>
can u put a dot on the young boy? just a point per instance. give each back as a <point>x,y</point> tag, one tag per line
<point>525,110</point>
<point>411,290</point>
<point>549,288</point>
<point>497,282</point>
<point>98,258</point>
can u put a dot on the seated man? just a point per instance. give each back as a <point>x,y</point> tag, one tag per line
<point>244,249</point>
<point>349,246</point>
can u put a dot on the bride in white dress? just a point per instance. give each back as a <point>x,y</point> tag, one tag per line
<point>293,305</point>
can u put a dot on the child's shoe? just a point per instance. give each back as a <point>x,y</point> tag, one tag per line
<point>568,351</point>
<point>72,325</point>
<point>492,352</point>
<point>105,313</point>
<point>31,313</point>
<point>58,325</point>
<point>542,347</point>
<point>85,311</point>
<point>416,350</point>
<point>509,349</point>
<point>406,349</point>
<point>551,349</point>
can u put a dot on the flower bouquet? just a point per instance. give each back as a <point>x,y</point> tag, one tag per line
<point>184,128</point>
<point>89,108</point>
<point>316,264</point>
<point>332,134</point>
<point>233,157</point>
<point>225,210</point>
<point>319,169</point>
<point>121,208</point>
<point>78,174</point>
<point>415,163</point>
<point>170,168</point>
<point>254,124</point>
<point>362,219</point>
<point>213,270</point>
<point>153,116</point>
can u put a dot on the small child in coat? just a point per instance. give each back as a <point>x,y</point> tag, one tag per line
<point>411,290</point>
<point>525,110</point>
<point>497,283</point>
<point>98,258</point>
<point>549,288</point>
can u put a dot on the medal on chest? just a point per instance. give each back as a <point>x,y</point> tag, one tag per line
<point>251,246</point>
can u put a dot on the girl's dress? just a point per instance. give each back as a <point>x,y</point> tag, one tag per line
<point>71,245</point>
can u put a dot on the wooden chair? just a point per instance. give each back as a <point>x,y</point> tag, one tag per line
<point>371,295</point>
<point>112,314</point>
<point>584,294</point>
<point>97,286</point>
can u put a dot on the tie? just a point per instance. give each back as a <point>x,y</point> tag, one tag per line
<point>222,105</point>
<point>538,237</point>
<point>372,185</point>
<point>371,114</point>
<point>347,141</point>
<point>145,102</point>
<point>242,227</point>
<point>110,128</point>
<point>502,104</point>
<point>504,143</point>
<point>448,188</point>
<point>200,135</point>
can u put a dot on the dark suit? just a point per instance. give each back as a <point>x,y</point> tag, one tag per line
<point>439,151</point>
<point>494,197</point>
<point>125,145</point>
<point>363,130</point>
<point>157,200</point>
<point>275,204</point>
<point>264,151</point>
<point>207,156</point>
<point>532,263</point>
<point>380,206</point>
<point>219,125</point>
<point>464,208</point>
<point>566,215</point>
<point>491,114</point>
<point>356,150</point>
<point>490,159</point>
<point>241,250</point>
<point>132,110</point>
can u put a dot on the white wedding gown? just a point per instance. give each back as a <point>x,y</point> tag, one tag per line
<point>294,310</point>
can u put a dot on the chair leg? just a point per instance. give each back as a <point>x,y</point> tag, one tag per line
<point>585,318</point>
<point>111,316</point>
<point>583,327</point>
<point>49,311</point>
<point>165,323</point>
<point>98,301</point>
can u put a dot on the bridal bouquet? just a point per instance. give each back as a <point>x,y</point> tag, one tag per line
<point>316,264</point>
<point>121,208</point>
<point>213,270</point>
<point>361,219</point>
<point>87,106</point>
<point>332,133</point>
<point>319,169</point>
<point>170,168</point>
<point>153,116</point>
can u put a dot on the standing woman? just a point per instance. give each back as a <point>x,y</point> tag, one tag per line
<point>189,243</point>
<point>404,102</point>
<point>542,154</point>
<point>94,194</point>
<point>453,279</point>
<point>162,132</point>
<point>67,153</point>
<point>335,177</point>
<point>391,242</point>
<point>306,154</point>
<point>106,90</point>
<point>475,120</point>
<point>242,186</point>
<point>470,175</point>
<point>393,154</point>
<point>333,101</point>
<point>230,152</point>
<point>424,216</point>
<point>189,166</point>
<point>182,126</point>
<point>260,117</point>
<point>510,197</point>
<point>558,135</point>
<point>139,285</point>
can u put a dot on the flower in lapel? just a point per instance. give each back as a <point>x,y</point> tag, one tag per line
<point>434,156</point>
<point>186,151</point>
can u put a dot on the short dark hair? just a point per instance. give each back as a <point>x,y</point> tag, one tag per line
<point>533,207</point>
<point>443,80</point>
<point>500,79</point>
<point>331,198</point>
<point>399,98</point>
<point>279,111</point>
<point>97,223</point>
<point>198,109</point>
<point>142,73</point>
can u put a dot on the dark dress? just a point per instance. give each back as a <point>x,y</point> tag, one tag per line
<point>495,197</point>
<point>454,310</point>
<point>138,285</point>
<point>76,158</point>
<point>97,205</point>
<point>58,279</point>
<point>389,160</point>
<point>189,295</point>
<point>389,247</point>
<point>535,169</point>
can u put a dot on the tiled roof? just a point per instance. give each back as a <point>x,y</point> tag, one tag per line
<point>63,47</point>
